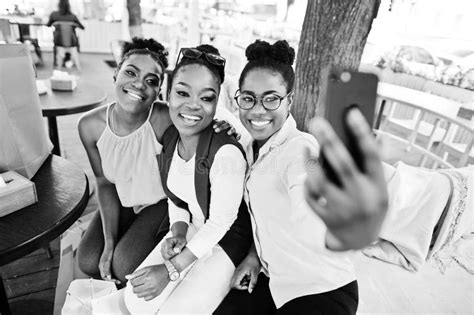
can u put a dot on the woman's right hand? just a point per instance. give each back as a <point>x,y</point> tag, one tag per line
<point>172,246</point>
<point>246,275</point>
<point>105,264</point>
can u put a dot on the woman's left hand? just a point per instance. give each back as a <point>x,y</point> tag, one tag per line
<point>149,282</point>
<point>222,125</point>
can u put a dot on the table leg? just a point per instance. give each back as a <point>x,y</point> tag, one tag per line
<point>4,307</point>
<point>53,134</point>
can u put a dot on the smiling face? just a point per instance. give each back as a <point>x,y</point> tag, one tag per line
<point>259,122</point>
<point>193,99</point>
<point>137,83</point>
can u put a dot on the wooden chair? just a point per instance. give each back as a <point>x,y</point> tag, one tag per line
<point>426,155</point>
<point>434,130</point>
<point>28,34</point>
<point>458,144</point>
<point>5,31</point>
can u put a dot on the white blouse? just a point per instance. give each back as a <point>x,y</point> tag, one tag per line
<point>130,163</point>
<point>226,177</point>
<point>289,236</point>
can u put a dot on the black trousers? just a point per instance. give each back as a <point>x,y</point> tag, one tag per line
<point>343,300</point>
<point>138,235</point>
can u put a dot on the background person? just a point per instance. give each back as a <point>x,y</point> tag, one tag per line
<point>64,14</point>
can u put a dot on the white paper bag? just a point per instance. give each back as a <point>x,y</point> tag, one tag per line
<point>68,269</point>
<point>24,144</point>
<point>81,294</point>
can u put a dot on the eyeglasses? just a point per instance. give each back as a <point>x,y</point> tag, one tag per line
<point>269,101</point>
<point>194,53</point>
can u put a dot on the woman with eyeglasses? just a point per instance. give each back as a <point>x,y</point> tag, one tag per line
<point>189,272</point>
<point>122,140</point>
<point>289,269</point>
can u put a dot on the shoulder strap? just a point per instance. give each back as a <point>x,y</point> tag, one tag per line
<point>208,145</point>
<point>170,139</point>
<point>236,242</point>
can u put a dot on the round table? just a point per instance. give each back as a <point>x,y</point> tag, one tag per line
<point>63,192</point>
<point>54,103</point>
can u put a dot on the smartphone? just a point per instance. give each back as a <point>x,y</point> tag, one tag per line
<point>345,90</point>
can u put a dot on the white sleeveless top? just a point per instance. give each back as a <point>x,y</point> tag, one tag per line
<point>130,163</point>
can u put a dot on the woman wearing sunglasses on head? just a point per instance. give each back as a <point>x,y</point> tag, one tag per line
<point>189,272</point>
<point>122,141</point>
<point>300,274</point>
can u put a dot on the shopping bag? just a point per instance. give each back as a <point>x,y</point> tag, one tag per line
<point>81,294</point>
<point>68,269</point>
<point>24,144</point>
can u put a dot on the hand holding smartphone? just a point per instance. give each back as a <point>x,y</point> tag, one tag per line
<point>347,190</point>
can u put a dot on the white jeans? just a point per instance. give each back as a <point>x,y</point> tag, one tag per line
<point>199,290</point>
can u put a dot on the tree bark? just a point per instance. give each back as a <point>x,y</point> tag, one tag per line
<point>334,34</point>
<point>134,18</point>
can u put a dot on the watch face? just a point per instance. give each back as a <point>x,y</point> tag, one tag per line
<point>174,276</point>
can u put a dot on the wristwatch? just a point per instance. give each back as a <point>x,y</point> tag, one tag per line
<point>173,273</point>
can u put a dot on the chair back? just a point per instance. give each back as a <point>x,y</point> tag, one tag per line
<point>5,31</point>
<point>65,34</point>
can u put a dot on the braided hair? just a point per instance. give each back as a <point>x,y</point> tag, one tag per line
<point>278,58</point>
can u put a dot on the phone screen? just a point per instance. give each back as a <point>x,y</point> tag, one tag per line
<point>346,89</point>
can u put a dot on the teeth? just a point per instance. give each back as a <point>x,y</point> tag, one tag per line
<point>260,123</point>
<point>194,118</point>
<point>138,97</point>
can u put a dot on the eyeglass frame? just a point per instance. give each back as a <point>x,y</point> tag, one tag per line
<point>260,98</point>
<point>201,54</point>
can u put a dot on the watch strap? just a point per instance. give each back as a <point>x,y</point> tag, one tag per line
<point>172,271</point>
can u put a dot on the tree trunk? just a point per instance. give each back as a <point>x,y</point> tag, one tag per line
<point>134,18</point>
<point>334,34</point>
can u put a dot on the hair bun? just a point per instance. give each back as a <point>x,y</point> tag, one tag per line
<point>258,50</point>
<point>279,51</point>
<point>282,51</point>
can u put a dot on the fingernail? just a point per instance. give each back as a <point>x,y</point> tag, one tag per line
<point>250,290</point>
<point>355,116</point>
<point>128,277</point>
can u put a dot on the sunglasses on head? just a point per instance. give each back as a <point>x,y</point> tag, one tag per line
<point>193,53</point>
